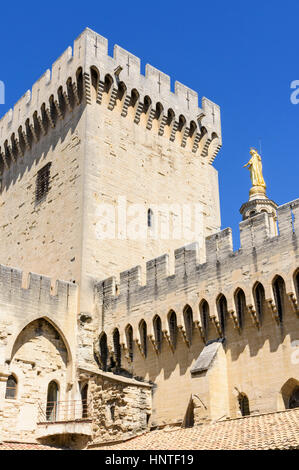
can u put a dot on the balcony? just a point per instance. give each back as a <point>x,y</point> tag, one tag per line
<point>63,420</point>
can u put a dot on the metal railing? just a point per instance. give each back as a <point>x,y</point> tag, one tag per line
<point>62,411</point>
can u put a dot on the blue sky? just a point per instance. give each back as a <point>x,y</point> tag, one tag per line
<point>242,55</point>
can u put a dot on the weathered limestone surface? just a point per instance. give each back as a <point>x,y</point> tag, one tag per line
<point>258,355</point>
<point>115,136</point>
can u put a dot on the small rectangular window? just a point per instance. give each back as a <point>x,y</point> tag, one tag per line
<point>42,183</point>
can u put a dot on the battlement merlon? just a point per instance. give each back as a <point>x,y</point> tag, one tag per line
<point>91,50</point>
<point>19,288</point>
<point>255,236</point>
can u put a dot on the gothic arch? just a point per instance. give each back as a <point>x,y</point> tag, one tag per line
<point>130,341</point>
<point>279,291</point>
<point>188,320</point>
<point>259,300</point>
<point>240,304</point>
<point>157,324</point>
<point>143,336</point>
<point>221,303</point>
<point>173,327</point>
<point>27,322</point>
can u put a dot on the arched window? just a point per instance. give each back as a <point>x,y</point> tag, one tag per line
<point>259,299</point>
<point>11,388</point>
<point>150,218</point>
<point>204,313</point>
<point>52,401</point>
<point>240,302</point>
<point>222,312</point>
<point>244,404</point>
<point>279,289</point>
<point>294,399</point>
<point>158,332</point>
<point>143,337</point>
<point>173,328</point>
<point>188,319</point>
<point>104,351</point>
<point>84,394</point>
<point>130,346</point>
<point>116,346</point>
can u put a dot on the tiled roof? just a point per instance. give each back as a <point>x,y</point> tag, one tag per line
<point>25,446</point>
<point>278,430</point>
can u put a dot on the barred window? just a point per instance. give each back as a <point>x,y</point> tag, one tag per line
<point>42,183</point>
<point>11,388</point>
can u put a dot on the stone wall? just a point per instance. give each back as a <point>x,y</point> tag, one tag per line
<point>258,352</point>
<point>39,356</point>
<point>121,407</point>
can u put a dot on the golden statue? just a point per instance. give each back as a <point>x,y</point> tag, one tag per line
<point>256,169</point>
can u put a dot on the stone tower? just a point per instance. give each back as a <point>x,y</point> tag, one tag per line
<point>94,140</point>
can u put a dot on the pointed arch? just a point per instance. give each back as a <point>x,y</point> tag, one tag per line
<point>103,350</point>
<point>117,347</point>
<point>173,327</point>
<point>54,323</point>
<point>52,401</point>
<point>204,310</point>
<point>188,320</point>
<point>259,300</point>
<point>11,387</point>
<point>278,286</point>
<point>240,303</point>
<point>158,331</point>
<point>130,343</point>
<point>143,336</point>
<point>222,311</point>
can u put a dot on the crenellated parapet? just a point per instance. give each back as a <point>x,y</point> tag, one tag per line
<point>27,297</point>
<point>263,258</point>
<point>86,72</point>
<point>20,287</point>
